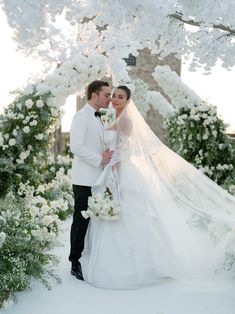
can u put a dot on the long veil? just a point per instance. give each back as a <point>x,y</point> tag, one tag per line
<point>196,216</point>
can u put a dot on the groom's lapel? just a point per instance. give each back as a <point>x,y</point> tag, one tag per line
<point>96,123</point>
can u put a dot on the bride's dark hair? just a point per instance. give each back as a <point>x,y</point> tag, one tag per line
<point>126,89</point>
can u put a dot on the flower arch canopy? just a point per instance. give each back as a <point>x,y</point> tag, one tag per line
<point>56,29</point>
<point>30,119</point>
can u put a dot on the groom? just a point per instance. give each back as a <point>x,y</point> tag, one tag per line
<point>86,143</point>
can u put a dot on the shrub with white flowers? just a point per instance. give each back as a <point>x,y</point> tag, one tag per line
<point>197,134</point>
<point>28,230</point>
<point>29,222</point>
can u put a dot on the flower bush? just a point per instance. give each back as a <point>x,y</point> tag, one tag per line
<point>30,221</point>
<point>28,123</point>
<point>27,233</point>
<point>25,129</point>
<point>197,134</point>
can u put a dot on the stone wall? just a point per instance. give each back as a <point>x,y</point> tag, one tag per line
<point>145,65</point>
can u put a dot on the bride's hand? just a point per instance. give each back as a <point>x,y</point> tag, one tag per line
<point>106,156</point>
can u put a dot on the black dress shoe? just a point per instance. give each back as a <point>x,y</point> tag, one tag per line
<point>76,271</point>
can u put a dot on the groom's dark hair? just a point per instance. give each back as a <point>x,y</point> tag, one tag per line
<point>95,87</point>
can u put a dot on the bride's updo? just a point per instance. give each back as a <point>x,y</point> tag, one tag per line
<point>126,90</point>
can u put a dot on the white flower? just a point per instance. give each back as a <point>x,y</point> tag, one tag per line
<point>19,106</point>
<point>214,132</point>
<point>12,142</point>
<point>19,161</point>
<point>26,129</point>
<point>232,189</point>
<point>42,88</point>
<point>2,238</point>
<point>14,132</point>
<point>32,123</point>
<point>39,103</point>
<point>41,188</point>
<point>29,103</point>
<point>7,304</point>
<point>28,90</point>
<point>54,112</point>
<point>23,155</point>
<point>45,209</point>
<point>39,137</point>
<point>20,116</point>
<point>205,136</point>
<point>1,139</point>
<point>47,220</point>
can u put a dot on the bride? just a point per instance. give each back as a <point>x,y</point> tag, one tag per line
<point>175,222</point>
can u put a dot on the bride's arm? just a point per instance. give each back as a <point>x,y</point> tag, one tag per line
<point>124,126</point>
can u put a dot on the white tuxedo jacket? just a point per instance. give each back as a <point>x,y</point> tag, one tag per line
<point>87,145</point>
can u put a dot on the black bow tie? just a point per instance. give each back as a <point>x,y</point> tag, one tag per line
<point>97,114</point>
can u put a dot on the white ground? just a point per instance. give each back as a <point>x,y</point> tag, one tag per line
<point>74,296</point>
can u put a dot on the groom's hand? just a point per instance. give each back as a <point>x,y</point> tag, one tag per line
<point>106,156</point>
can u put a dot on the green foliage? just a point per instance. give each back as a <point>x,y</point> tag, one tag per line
<point>7,169</point>
<point>197,134</point>
<point>22,254</point>
<point>25,132</point>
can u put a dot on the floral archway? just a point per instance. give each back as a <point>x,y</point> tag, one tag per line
<point>33,116</point>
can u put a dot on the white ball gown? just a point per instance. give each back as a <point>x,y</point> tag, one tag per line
<point>174,223</point>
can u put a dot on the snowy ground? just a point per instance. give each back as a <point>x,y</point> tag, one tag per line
<point>74,296</point>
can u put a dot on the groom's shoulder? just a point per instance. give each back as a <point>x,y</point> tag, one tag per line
<point>82,112</point>
<point>80,116</point>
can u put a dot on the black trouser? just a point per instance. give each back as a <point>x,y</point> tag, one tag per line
<point>80,224</point>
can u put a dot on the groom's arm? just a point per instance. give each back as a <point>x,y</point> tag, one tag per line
<point>78,133</point>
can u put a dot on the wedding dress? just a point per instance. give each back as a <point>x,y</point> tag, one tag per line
<point>175,222</point>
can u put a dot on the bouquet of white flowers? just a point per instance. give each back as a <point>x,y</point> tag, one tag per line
<point>102,206</point>
<point>108,116</point>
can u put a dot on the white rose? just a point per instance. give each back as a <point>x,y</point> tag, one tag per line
<point>12,142</point>
<point>47,220</point>
<point>28,89</point>
<point>20,116</point>
<point>39,103</point>
<point>1,139</point>
<point>2,238</point>
<point>39,136</point>
<point>26,129</point>
<point>232,189</point>
<point>45,209</point>
<point>41,188</point>
<point>19,161</point>
<point>29,103</point>
<point>32,123</point>
<point>23,155</point>
<point>214,132</point>
<point>19,106</point>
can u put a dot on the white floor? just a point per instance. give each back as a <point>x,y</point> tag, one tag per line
<point>74,296</point>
